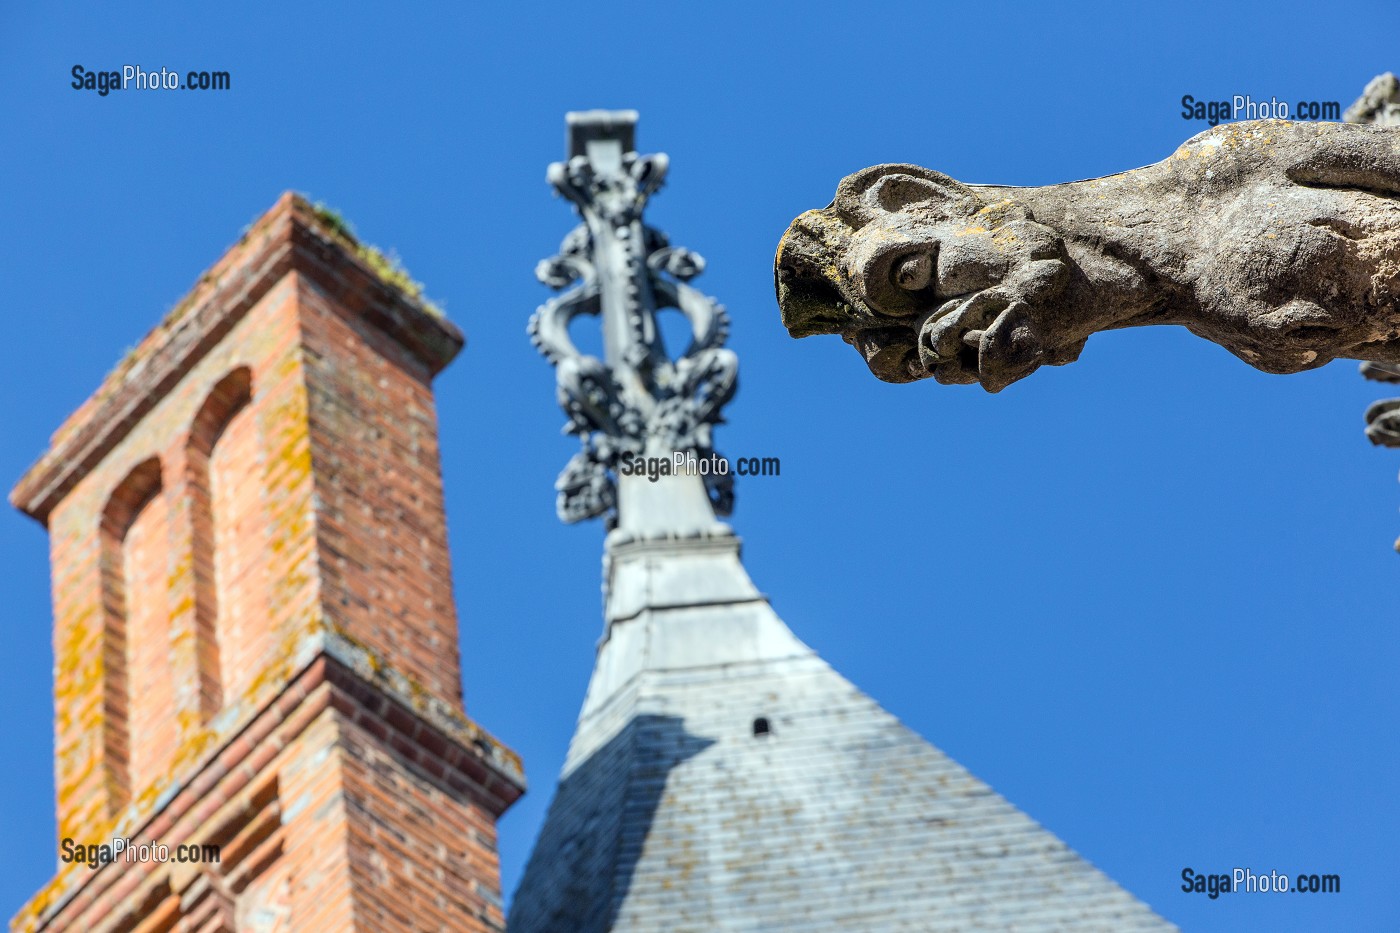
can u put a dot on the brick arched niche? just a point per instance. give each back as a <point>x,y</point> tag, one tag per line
<point>137,726</point>
<point>230,530</point>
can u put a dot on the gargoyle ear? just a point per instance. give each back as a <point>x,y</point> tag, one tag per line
<point>881,189</point>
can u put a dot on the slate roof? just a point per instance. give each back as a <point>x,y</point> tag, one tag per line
<point>672,814</point>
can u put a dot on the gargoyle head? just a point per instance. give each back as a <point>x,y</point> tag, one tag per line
<point>925,277</point>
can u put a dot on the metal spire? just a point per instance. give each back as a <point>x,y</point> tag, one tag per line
<point>636,402</point>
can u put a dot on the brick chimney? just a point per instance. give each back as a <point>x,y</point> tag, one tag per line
<point>255,641</point>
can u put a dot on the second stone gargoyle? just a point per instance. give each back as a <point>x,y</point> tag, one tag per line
<point>1279,241</point>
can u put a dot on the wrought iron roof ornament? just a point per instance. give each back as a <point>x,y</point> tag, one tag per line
<point>636,401</point>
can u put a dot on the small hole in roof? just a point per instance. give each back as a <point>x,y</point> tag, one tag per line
<point>761,726</point>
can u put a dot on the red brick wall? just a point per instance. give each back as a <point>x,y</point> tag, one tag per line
<point>267,342</point>
<point>146,559</point>
<point>422,852</point>
<point>334,810</point>
<point>385,569</point>
<point>239,532</point>
<point>233,519</point>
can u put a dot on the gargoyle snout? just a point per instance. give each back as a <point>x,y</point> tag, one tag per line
<point>806,276</point>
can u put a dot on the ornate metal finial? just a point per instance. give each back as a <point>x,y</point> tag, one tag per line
<point>636,402</point>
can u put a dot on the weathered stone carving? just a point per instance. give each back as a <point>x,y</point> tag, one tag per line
<point>1379,103</point>
<point>1383,423</point>
<point>1279,241</point>
<point>637,401</point>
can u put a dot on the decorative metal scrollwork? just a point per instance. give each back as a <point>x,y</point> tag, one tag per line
<point>637,400</point>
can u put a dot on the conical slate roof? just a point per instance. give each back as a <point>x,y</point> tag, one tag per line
<point>677,811</point>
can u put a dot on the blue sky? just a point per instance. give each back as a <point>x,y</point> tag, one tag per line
<point>1141,596</point>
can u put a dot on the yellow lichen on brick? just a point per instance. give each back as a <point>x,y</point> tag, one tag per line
<point>327,388</point>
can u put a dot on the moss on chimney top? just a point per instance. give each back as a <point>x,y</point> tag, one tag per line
<point>387,266</point>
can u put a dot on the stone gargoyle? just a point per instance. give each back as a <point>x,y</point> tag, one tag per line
<point>1279,241</point>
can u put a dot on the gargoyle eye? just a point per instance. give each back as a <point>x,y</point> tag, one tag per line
<point>894,277</point>
<point>913,272</point>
